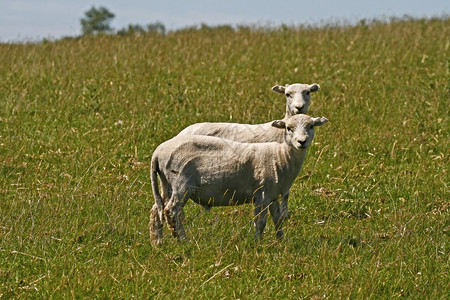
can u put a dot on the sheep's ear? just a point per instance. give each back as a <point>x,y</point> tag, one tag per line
<point>279,124</point>
<point>314,87</point>
<point>279,89</point>
<point>319,121</point>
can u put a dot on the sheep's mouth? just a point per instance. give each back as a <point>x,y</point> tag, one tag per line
<point>299,111</point>
<point>300,147</point>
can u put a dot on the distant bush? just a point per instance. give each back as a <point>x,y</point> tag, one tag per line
<point>156,27</point>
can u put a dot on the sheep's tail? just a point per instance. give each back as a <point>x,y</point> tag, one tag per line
<point>155,186</point>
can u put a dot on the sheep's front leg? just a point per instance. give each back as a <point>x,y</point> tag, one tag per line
<point>206,209</point>
<point>277,217</point>
<point>284,206</point>
<point>260,214</point>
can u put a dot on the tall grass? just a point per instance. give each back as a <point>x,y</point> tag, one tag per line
<point>79,120</point>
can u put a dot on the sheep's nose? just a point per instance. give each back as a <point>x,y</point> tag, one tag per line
<point>302,142</point>
<point>299,109</point>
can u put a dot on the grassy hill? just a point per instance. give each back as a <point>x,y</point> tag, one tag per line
<point>80,118</point>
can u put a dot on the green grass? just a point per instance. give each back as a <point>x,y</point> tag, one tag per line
<point>80,118</point>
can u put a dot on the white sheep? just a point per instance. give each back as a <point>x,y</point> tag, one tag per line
<point>219,172</point>
<point>297,102</point>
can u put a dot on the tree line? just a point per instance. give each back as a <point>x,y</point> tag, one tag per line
<point>98,21</point>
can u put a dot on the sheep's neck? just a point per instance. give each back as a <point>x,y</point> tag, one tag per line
<point>288,114</point>
<point>288,161</point>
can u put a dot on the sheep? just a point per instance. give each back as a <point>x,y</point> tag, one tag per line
<point>297,102</point>
<point>219,172</point>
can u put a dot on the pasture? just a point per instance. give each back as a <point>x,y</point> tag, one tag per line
<point>80,118</point>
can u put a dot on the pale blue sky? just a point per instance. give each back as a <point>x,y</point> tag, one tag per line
<point>31,20</point>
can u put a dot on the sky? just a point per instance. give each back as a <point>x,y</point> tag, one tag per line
<point>33,20</point>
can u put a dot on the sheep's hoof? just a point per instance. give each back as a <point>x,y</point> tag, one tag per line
<point>285,216</point>
<point>156,242</point>
<point>182,239</point>
<point>280,235</point>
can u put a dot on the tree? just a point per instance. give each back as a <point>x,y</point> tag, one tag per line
<point>96,21</point>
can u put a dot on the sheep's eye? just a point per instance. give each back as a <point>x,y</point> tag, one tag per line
<point>289,129</point>
<point>288,95</point>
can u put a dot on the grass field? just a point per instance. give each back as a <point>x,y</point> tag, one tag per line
<point>80,118</point>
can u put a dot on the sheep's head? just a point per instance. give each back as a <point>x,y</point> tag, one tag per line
<point>299,129</point>
<point>297,96</point>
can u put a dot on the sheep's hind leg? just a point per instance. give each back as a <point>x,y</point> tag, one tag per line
<point>174,214</point>
<point>156,226</point>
